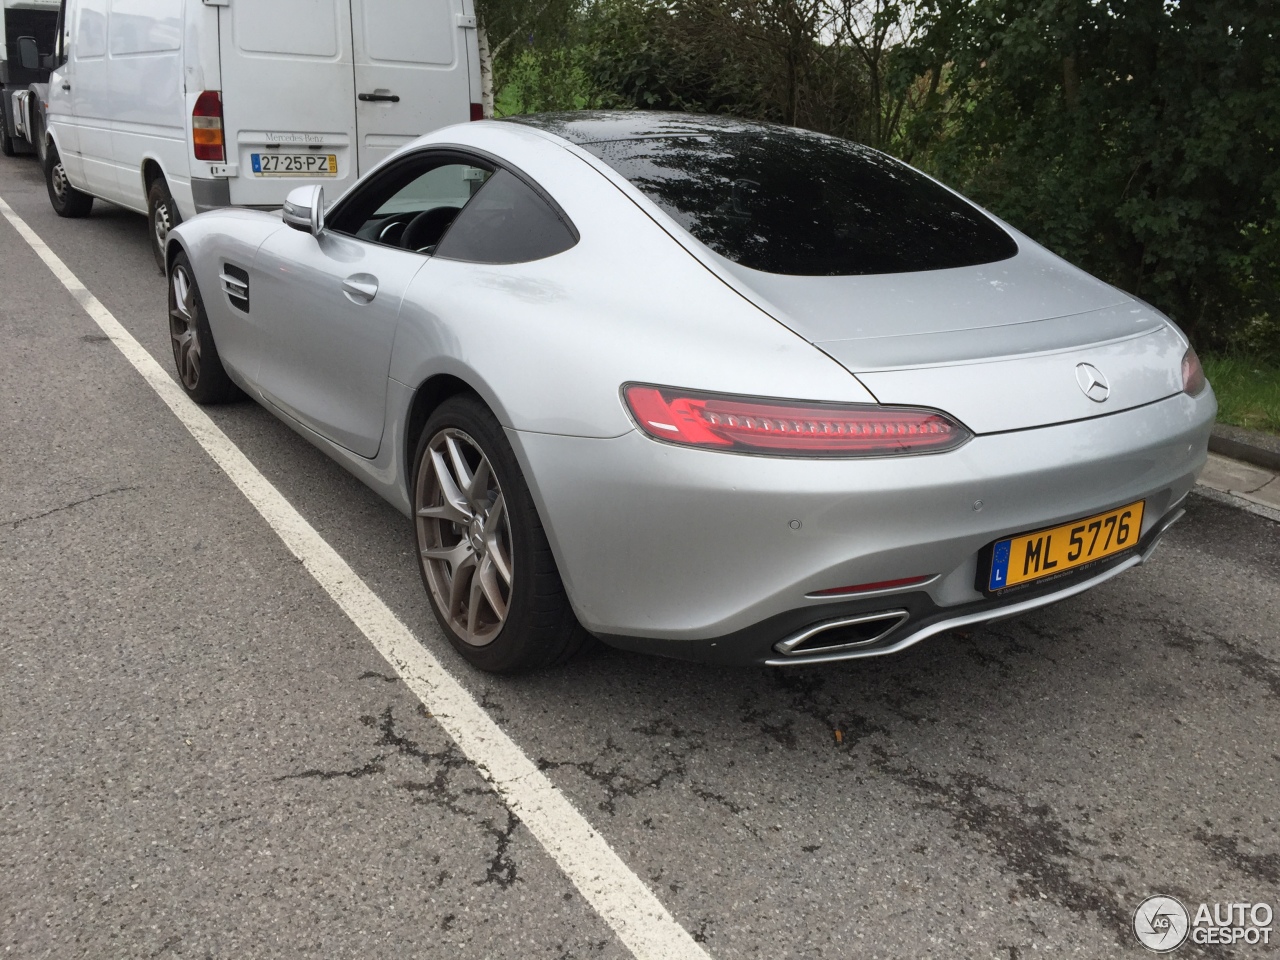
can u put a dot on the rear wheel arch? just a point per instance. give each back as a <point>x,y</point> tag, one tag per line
<point>151,172</point>
<point>432,392</point>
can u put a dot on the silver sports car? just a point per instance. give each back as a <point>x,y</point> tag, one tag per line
<point>699,387</point>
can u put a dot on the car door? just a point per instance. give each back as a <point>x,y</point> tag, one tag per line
<point>412,71</point>
<point>90,98</point>
<point>329,304</point>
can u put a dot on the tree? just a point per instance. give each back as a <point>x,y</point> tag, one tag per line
<point>509,27</point>
<point>1138,138</point>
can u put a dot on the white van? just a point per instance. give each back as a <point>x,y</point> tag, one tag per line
<point>173,107</point>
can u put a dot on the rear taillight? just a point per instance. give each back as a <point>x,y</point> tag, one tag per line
<point>206,127</point>
<point>477,111</point>
<point>1193,381</point>
<point>785,428</point>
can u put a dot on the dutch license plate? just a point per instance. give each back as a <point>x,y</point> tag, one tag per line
<point>294,164</point>
<point>1049,552</point>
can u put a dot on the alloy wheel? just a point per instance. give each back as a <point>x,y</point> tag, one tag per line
<point>464,536</point>
<point>183,328</point>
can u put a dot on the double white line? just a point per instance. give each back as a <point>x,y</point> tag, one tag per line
<point>618,895</point>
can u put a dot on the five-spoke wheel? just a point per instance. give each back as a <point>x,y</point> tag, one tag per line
<point>195,355</point>
<point>465,537</point>
<point>182,326</point>
<point>482,552</point>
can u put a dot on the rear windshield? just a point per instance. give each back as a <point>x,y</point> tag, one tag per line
<point>790,202</point>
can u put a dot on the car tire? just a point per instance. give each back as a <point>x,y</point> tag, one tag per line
<point>163,216</point>
<point>473,517</point>
<point>67,200</point>
<point>195,355</point>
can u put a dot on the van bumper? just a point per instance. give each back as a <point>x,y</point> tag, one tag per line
<point>210,194</point>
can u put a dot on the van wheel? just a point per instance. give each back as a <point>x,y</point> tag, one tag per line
<point>164,216</point>
<point>67,200</point>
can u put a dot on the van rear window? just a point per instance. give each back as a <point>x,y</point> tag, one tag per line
<point>791,202</point>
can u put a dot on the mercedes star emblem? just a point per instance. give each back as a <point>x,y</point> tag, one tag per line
<point>1092,382</point>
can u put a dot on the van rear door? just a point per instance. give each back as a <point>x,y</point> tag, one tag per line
<point>413,64</point>
<point>288,99</point>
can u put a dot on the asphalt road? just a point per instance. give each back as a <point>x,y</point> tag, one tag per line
<point>201,756</point>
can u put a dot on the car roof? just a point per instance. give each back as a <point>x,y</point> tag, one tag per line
<point>598,126</point>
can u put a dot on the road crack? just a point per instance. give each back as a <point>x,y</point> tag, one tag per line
<point>14,524</point>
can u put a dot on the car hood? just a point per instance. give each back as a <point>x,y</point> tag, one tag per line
<point>996,345</point>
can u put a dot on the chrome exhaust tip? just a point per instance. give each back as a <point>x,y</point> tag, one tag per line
<point>846,633</point>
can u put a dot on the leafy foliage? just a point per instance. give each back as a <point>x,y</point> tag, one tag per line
<point>1137,138</point>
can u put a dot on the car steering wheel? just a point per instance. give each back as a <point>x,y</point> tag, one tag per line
<point>426,229</point>
<point>392,229</point>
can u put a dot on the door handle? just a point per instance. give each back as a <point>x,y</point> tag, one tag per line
<point>360,287</point>
<point>378,97</point>
<point>66,86</point>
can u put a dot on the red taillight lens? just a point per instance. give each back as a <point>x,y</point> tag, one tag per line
<point>206,127</point>
<point>1193,380</point>
<point>477,111</point>
<point>789,429</point>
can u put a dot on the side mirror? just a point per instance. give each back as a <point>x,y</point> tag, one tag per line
<point>28,53</point>
<point>304,209</point>
<point>49,62</point>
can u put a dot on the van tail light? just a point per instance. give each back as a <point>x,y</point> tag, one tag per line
<point>1193,379</point>
<point>785,428</point>
<point>477,111</point>
<point>206,127</point>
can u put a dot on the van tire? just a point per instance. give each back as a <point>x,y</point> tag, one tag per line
<point>67,200</point>
<point>162,216</point>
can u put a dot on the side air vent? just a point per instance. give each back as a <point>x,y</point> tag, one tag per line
<point>235,284</point>
<point>843,634</point>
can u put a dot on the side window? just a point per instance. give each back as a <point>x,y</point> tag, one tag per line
<point>507,222</point>
<point>413,205</point>
<point>91,32</point>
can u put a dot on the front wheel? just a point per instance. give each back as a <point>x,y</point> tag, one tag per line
<point>482,552</point>
<point>200,369</point>
<point>67,200</point>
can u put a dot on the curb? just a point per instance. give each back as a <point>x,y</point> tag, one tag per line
<point>1247,445</point>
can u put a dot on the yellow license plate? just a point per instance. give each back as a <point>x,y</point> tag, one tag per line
<point>1049,552</point>
<point>294,164</point>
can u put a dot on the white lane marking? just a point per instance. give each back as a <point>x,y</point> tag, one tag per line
<point>618,895</point>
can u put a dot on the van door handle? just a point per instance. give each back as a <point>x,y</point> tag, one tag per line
<point>375,97</point>
<point>360,287</point>
<point>66,86</point>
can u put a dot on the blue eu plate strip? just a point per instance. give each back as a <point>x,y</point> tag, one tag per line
<point>257,162</point>
<point>1000,565</point>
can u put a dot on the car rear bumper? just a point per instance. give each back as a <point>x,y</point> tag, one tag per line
<point>710,556</point>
